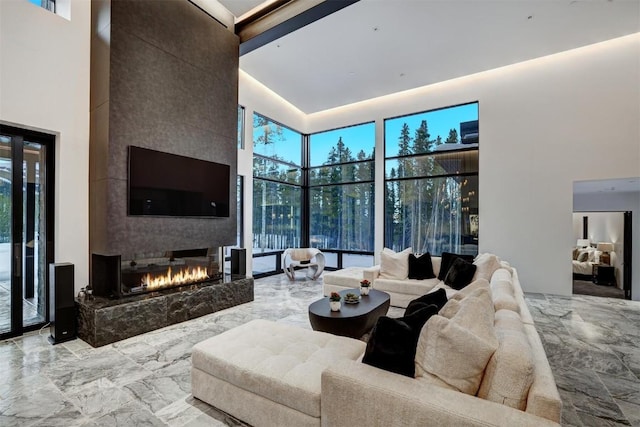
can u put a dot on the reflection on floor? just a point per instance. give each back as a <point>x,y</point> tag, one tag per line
<point>29,311</point>
<point>592,344</point>
<point>584,287</point>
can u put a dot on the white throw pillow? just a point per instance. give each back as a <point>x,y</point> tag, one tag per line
<point>394,265</point>
<point>457,350</point>
<point>471,288</point>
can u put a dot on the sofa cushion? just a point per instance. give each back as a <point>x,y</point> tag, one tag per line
<point>421,268</point>
<point>510,371</point>
<point>392,344</point>
<point>503,296</point>
<point>508,320</point>
<point>347,277</point>
<point>394,265</point>
<point>460,274</point>
<point>543,399</point>
<point>406,286</point>
<point>457,350</point>
<point>436,261</point>
<point>437,298</point>
<point>505,265</point>
<point>502,273</point>
<point>282,363</point>
<point>486,265</point>
<point>447,259</point>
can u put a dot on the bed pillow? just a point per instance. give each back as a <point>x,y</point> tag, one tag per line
<point>575,253</point>
<point>583,256</point>
<point>421,268</point>
<point>394,265</point>
<point>392,344</point>
<point>447,260</point>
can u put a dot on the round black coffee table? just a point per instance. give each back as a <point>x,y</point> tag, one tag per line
<point>353,320</point>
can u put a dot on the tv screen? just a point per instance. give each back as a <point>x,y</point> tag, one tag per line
<point>163,184</point>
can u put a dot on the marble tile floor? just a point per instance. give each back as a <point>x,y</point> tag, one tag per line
<point>593,347</point>
<point>592,344</point>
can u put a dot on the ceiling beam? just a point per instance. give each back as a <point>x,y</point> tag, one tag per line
<point>281,18</point>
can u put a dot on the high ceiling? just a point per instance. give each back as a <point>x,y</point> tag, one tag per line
<point>624,185</point>
<point>240,7</point>
<point>377,47</point>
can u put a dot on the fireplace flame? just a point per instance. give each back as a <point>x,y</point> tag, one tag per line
<point>182,277</point>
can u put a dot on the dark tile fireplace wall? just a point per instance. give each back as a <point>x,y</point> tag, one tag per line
<point>164,76</point>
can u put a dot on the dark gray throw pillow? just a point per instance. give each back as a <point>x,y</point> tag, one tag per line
<point>437,298</point>
<point>447,260</point>
<point>421,268</point>
<point>392,344</point>
<point>460,274</point>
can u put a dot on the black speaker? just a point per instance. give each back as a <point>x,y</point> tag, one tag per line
<point>62,307</point>
<point>239,262</point>
<point>105,275</point>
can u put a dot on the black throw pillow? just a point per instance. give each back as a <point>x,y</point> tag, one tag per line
<point>392,344</point>
<point>447,260</point>
<point>421,268</point>
<point>437,298</point>
<point>460,274</point>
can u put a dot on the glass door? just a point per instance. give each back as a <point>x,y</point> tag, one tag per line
<point>34,307</point>
<point>26,228</point>
<point>6,219</point>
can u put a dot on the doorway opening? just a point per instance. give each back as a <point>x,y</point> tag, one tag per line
<point>603,230</point>
<point>26,228</point>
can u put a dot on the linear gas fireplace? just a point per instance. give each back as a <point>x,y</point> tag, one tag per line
<point>114,277</point>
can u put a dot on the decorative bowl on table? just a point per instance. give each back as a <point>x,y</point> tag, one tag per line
<point>351,298</point>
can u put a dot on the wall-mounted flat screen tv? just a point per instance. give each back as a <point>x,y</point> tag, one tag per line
<point>163,184</point>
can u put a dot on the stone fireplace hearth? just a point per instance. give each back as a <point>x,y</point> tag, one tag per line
<point>103,320</point>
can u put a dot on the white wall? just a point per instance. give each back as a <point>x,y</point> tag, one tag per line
<point>605,227</point>
<point>544,124</point>
<point>618,202</point>
<point>254,96</point>
<point>44,85</point>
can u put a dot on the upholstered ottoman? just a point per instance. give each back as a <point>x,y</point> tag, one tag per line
<point>267,373</point>
<point>347,278</point>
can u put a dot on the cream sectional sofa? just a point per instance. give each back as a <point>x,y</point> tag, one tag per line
<point>272,374</point>
<point>401,291</point>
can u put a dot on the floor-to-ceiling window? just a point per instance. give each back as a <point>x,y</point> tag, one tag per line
<point>318,190</point>
<point>431,181</point>
<point>277,192</point>
<point>341,194</point>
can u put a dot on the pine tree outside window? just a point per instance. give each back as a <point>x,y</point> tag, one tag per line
<point>341,191</point>
<point>277,189</point>
<point>431,181</point>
